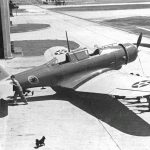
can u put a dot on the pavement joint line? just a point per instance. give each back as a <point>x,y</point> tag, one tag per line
<point>100,122</point>
<point>93,22</point>
<point>98,23</point>
<point>80,19</point>
<point>104,24</point>
<point>101,23</point>
<point>73,37</point>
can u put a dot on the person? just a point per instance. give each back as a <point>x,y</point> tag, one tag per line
<point>17,90</point>
<point>97,50</point>
<point>63,2</point>
<point>11,7</point>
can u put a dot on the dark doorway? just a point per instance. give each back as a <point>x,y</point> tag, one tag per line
<point>1,39</point>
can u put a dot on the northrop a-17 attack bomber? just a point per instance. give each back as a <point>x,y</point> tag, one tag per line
<point>79,66</point>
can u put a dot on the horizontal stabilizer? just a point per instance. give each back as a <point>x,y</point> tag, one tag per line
<point>3,73</point>
<point>6,89</point>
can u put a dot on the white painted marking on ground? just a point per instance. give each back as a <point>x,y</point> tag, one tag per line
<point>143,28</point>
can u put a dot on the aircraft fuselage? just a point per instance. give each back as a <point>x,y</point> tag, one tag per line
<point>50,74</point>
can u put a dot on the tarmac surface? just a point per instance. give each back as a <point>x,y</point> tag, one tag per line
<point>89,121</point>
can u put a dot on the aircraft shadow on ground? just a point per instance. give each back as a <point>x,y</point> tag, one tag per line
<point>104,108</point>
<point>112,112</point>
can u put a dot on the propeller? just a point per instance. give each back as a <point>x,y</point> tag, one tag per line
<point>138,44</point>
<point>139,40</point>
<point>147,45</point>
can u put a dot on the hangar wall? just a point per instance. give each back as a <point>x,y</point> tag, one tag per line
<point>1,40</point>
<point>5,48</point>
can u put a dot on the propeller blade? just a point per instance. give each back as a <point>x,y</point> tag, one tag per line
<point>139,40</point>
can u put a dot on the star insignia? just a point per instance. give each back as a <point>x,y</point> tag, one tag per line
<point>141,84</point>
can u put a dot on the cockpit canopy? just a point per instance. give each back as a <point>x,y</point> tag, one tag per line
<point>74,56</point>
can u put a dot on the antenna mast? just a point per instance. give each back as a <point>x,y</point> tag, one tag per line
<point>67,42</point>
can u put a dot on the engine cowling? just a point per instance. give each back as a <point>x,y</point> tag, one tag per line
<point>130,50</point>
<point>123,53</point>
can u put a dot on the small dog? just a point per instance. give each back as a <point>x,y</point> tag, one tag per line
<point>40,142</point>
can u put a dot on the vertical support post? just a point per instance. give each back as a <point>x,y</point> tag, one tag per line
<point>5,48</point>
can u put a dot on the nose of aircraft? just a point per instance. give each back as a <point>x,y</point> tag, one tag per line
<point>131,52</point>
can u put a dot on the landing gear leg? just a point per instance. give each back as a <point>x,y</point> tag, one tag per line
<point>138,99</point>
<point>148,100</point>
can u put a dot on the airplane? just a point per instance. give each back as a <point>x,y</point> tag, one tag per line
<point>79,66</point>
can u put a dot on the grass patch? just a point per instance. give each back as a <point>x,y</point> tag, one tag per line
<point>38,47</point>
<point>136,21</point>
<point>100,8</point>
<point>133,24</point>
<point>27,27</point>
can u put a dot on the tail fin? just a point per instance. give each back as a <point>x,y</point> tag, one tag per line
<point>6,89</point>
<point>3,73</point>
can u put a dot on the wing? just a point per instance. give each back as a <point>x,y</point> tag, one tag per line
<point>117,83</point>
<point>75,81</point>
